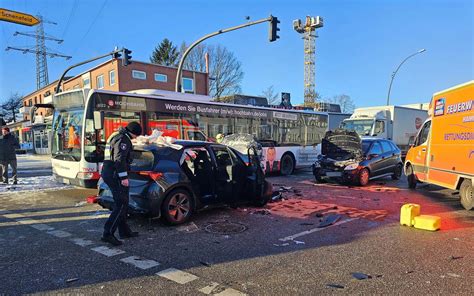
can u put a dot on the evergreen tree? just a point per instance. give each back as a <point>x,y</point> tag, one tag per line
<point>165,54</point>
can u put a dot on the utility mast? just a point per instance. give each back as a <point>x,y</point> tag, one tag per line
<point>41,51</point>
<point>309,35</point>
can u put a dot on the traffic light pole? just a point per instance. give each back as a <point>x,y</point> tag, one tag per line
<point>112,53</point>
<point>181,62</point>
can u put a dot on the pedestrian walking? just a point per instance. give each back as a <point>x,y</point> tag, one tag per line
<point>8,146</point>
<point>117,161</point>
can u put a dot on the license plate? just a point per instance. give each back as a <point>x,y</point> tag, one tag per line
<point>333,174</point>
<point>66,181</point>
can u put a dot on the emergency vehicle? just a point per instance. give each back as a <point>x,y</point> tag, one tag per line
<point>443,151</point>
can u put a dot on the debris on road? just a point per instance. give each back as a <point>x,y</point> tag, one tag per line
<point>299,242</point>
<point>329,220</point>
<point>337,286</point>
<point>92,199</point>
<point>205,263</point>
<point>80,204</point>
<point>456,257</point>
<point>453,275</point>
<point>281,245</point>
<point>262,212</point>
<point>361,276</point>
<point>72,280</point>
<point>276,196</point>
<point>188,228</point>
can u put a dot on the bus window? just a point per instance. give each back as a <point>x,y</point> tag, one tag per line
<point>67,135</point>
<point>115,120</point>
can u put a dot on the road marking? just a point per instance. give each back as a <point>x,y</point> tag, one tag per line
<point>13,216</point>
<point>230,292</point>
<point>109,252</point>
<point>42,227</point>
<point>139,262</point>
<point>177,275</point>
<point>81,242</point>
<point>292,237</point>
<point>209,288</point>
<point>26,221</point>
<point>59,233</point>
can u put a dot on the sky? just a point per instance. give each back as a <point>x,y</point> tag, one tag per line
<point>361,44</point>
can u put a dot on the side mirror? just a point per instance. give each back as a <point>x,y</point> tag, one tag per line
<point>411,141</point>
<point>98,119</point>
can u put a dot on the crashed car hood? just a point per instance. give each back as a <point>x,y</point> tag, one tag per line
<point>341,144</point>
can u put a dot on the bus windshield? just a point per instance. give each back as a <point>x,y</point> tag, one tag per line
<point>362,127</point>
<point>67,133</point>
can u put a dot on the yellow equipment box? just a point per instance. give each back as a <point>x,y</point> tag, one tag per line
<point>408,212</point>
<point>427,222</point>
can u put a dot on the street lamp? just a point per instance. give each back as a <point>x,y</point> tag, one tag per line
<point>395,73</point>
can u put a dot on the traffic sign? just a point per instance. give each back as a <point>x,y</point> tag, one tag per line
<point>18,17</point>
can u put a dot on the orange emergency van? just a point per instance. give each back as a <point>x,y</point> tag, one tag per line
<point>443,151</point>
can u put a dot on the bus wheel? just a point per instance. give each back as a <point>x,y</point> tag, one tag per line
<point>466,194</point>
<point>287,165</point>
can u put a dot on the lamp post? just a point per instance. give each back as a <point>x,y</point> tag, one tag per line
<point>395,72</point>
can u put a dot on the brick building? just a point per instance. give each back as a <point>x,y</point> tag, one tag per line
<point>110,75</point>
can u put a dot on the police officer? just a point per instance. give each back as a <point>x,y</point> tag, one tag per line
<point>117,161</point>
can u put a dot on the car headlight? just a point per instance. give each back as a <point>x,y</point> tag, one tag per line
<point>351,167</point>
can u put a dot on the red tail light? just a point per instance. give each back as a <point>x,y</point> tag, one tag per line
<point>153,175</point>
<point>88,175</point>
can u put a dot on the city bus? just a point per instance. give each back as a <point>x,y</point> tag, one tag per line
<point>85,118</point>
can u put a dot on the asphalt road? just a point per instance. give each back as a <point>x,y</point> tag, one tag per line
<point>49,242</point>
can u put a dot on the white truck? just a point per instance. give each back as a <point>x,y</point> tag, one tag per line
<point>396,123</point>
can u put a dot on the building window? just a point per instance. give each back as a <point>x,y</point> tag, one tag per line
<point>100,81</point>
<point>161,77</point>
<point>139,74</point>
<point>188,84</point>
<point>86,83</point>
<point>112,77</point>
<point>30,103</point>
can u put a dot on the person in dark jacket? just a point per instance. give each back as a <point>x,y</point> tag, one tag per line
<point>117,161</point>
<point>8,146</point>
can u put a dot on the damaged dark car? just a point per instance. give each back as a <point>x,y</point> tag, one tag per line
<point>346,158</point>
<point>173,183</point>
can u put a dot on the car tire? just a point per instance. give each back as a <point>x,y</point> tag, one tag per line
<point>411,179</point>
<point>318,178</point>
<point>262,201</point>
<point>397,173</point>
<point>177,207</point>
<point>287,165</point>
<point>465,192</point>
<point>364,176</point>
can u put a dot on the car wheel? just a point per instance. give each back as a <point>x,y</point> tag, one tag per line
<point>397,173</point>
<point>287,165</point>
<point>466,194</point>
<point>364,176</point>
<point>318,177</point>
<point>267,195</point>
<point>411,179</point>
<point>177,207</point>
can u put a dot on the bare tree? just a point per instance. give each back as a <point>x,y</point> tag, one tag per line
<point>11,108</point>
<point>225,71</point>
<point>271,95</point>
<point>345,101</point>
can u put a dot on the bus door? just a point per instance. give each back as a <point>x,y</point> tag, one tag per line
<point>420,152</point>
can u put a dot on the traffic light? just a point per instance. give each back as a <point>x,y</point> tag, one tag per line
<point>117,54</point>
<point>273,29</point>
<point>126,59</point>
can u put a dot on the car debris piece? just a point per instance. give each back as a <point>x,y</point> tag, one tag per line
<point>361,276</point>
<point>72,280</point>
<point>298,242</point>
<point>456,257</point>
<point>262,212</point>
<point>188,228</point>
<point>205,263</point>
<point>80,204</point>
<point>276,196</point>
<point>453,275</point>
<point>337,286</point>
<point>281,245</point>
<point>329,220</point>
